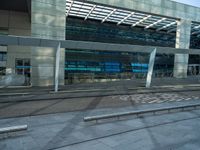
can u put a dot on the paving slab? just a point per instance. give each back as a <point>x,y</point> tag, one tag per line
<point>68,131</point>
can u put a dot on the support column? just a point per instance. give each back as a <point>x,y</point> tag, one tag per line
<point>48,21</point>
<point>57,67</point>
<point>150,69</point>
<point>183,34</point>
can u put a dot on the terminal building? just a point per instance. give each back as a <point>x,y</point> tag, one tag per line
<point>117,24</point>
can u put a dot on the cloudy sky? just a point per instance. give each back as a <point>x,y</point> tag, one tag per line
<point>190,2</point>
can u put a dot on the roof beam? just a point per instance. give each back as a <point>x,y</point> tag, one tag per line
<point>197,27</point>
<point>128,16</point>
<point>90,12</point>
<point>70,44</point>
<point>70,7</point>
<point>196,32</point>
<point>166,26</point>
<point>153,24</point>
<point>108,15</point>
<point>171,30</point>
<point>142,20</point>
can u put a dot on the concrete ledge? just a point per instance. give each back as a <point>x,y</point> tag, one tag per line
<point>13,94</point>
<point>139,112</point>
<point>13,129</point>
<point>78,91</point>
<point>14,87</point>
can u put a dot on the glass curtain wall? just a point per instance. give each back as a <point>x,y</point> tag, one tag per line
<point>194,65</point>
<point>3,54</point>
<point>97,66</point>
<point>77,29</point>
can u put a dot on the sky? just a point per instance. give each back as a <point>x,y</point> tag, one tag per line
<point>190,2</point>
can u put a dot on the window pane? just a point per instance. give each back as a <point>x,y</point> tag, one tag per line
<point>26,62</point>
<point>1,57</point>
<point>19,62</point>
<point>27,71</point>
<point>2,70</point>
<point>19,71</point>
<point>4,57</point>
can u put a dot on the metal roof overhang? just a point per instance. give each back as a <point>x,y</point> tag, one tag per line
<point>69,44</point>
<point>86,10</point>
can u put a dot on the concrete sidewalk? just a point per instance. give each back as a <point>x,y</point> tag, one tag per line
<point>128,84</point>
<point>67,131</point>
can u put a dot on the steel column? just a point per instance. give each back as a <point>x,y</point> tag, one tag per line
<point>150,69</point>
<point>57,67</point>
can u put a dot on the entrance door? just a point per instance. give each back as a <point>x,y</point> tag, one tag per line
<point>23,67</point>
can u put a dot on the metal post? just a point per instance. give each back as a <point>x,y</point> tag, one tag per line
<point>57,67</point>
<point>150,69</point>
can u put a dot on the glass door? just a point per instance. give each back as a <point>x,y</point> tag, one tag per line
<point>23,67</point>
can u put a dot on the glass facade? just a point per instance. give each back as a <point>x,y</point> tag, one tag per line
<point>195,42</point>
<point>3,56</point>
<point>23,67</point>
<point>85,65</point>
<point>82,65</point>
<point>77,29</point>
<point>3,59</point>
<point>194,65</point>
